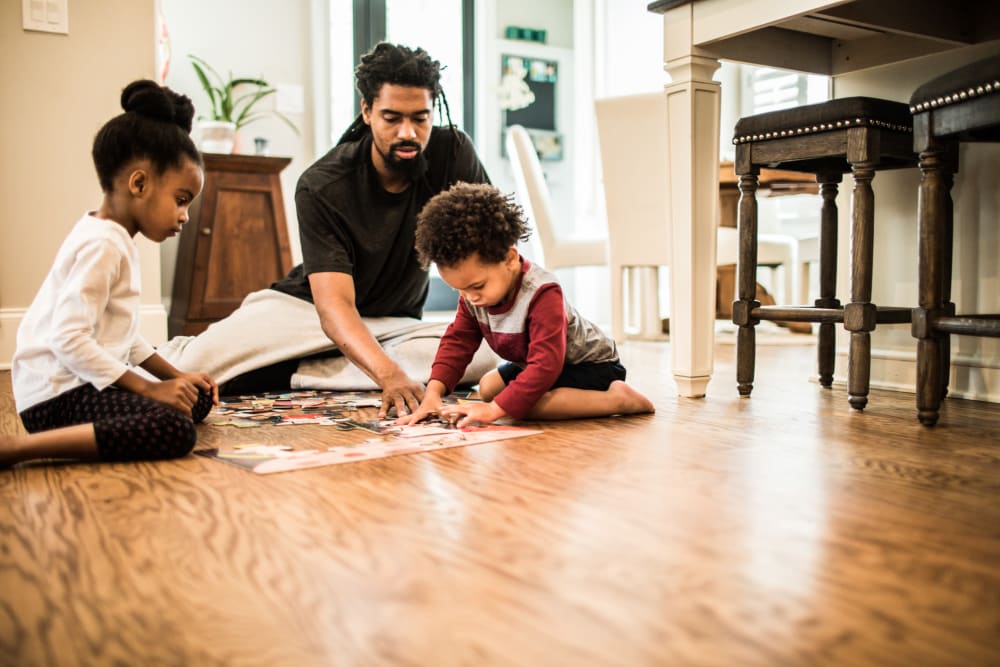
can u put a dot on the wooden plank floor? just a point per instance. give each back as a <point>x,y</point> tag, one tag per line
<point>783,529</point>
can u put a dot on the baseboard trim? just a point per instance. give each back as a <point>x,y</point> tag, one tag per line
<point>152,325</point>
<point>971,378</point>
<point>10,319</point>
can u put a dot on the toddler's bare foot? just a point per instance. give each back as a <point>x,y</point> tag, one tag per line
<point>627,400</point>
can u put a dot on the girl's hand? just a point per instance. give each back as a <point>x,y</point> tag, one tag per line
<point>179,393</point>
<point>202,381</point>
<point>162,369</point>
<point>467,414</point>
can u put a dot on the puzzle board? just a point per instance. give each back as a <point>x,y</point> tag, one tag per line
<point>323,408</point>
<point>388,440</point>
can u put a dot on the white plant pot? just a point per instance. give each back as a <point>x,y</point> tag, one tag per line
<point>217,136</point>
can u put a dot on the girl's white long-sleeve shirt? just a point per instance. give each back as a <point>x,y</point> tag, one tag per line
<point>83,326</point>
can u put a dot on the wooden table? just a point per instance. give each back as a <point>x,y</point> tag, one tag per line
<point>777,181</point>
<point>830,38</point>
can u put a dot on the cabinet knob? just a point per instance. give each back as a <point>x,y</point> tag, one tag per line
<point>206,231</point>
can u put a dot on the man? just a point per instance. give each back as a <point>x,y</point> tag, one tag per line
<point>357,209</point>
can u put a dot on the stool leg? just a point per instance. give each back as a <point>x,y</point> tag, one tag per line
<point>859,314</point>
<point>746,338</point>
<point>947,306</point>
<point>933,210</point>
<point>826,354</point>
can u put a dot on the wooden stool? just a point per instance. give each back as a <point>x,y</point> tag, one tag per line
<point>962,105</point>
<point>860,135</point>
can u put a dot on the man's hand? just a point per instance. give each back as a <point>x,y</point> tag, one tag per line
<point>401,392</point>
<point>333,294</point>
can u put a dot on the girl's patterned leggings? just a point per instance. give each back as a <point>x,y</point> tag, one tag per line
<point>129,427</point>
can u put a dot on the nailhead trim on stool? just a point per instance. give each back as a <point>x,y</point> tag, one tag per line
<point>959,96</point>
<point>825,127</point>
<point>865,135</point>
<point>957,107</point>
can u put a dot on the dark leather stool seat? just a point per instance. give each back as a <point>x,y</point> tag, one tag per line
<point>960,106</point>
<point>857,135</point>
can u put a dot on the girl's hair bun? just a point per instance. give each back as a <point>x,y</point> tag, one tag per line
<point>150,99</point>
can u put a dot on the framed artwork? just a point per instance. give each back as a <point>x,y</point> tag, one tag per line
<point>527,95</point>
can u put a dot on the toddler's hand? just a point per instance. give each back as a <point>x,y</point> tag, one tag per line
<point>466,414</point>
<point>429,406</point>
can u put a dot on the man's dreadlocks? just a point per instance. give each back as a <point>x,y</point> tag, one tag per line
<point>402,66</point>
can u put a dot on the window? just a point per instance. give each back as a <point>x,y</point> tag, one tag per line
<point>435,25</point>
<point>768,89</point>
<point>442,27</point>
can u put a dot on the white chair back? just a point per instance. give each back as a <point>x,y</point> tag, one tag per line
<point>529,179</point>
<point>556,251</point>
<point>632,132</point>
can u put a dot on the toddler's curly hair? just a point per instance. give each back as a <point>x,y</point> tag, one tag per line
<point>467,219</point>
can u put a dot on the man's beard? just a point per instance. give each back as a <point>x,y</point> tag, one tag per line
<point>410,167</point>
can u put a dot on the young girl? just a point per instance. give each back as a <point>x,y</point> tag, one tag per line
<point>73,386</point>
<point>559,365</point>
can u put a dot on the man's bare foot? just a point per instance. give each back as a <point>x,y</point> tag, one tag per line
<point>627,400</point>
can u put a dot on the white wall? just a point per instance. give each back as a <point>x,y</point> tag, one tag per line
<point>255,38</point>
<point>556,18</point>
<point>57,91</point>
<point>571,197</point>
<point>67,86</point>
<point>976,274</point>
<point>553,16</point>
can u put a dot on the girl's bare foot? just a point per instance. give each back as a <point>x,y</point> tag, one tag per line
<point>9,451</point>
<point>627,400</point>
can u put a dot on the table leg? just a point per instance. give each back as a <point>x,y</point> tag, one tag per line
<point>693,181</point>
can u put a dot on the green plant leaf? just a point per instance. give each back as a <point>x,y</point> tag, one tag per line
<point>212,92</point>
<point>287,122</point>
<point>248,101</point>
<point>226,104</point>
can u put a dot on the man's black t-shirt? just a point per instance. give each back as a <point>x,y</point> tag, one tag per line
<point>349,224</point>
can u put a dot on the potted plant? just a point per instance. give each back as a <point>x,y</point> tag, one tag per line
<point>233,105</point>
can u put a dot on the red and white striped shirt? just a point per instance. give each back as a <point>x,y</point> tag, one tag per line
<point>537,330</point>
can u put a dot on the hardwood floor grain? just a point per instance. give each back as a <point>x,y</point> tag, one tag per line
<point>784,529</point>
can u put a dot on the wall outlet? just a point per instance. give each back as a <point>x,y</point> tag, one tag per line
<point>45,15</point>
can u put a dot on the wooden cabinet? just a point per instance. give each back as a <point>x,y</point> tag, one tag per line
<point>236,241</point>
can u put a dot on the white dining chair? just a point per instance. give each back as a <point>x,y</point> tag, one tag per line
<point>632,132</point>
<point>557,250</point>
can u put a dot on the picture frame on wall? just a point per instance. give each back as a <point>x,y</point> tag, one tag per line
<point>527,93</point>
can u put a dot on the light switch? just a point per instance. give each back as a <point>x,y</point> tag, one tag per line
<point>54,10</point>
<point>45,15</point>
